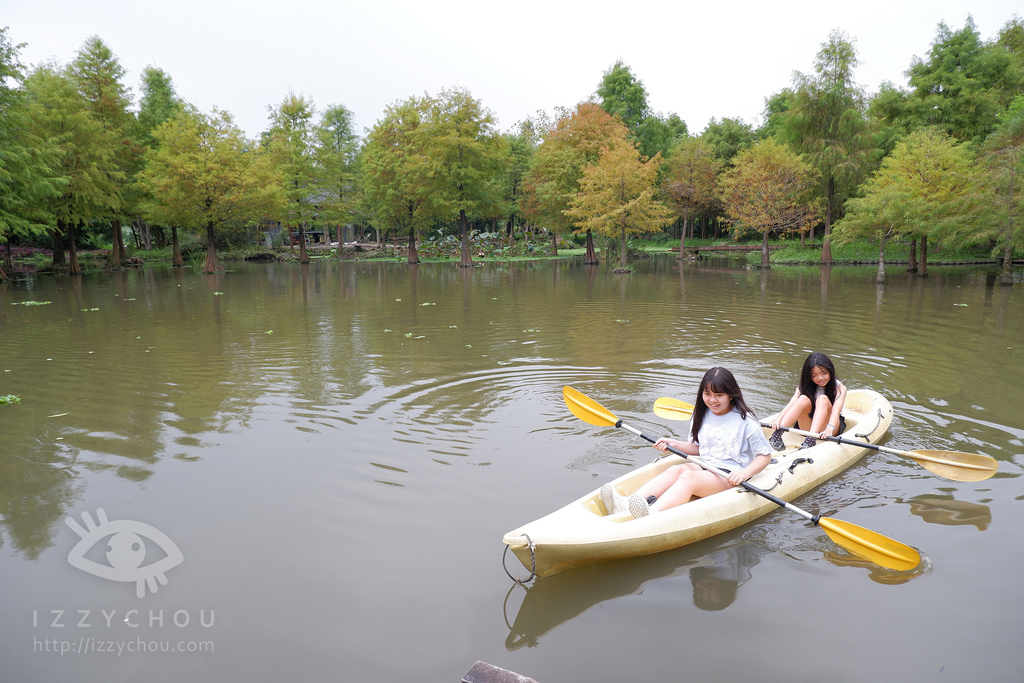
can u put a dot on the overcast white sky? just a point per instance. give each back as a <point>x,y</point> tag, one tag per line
<point>699,60</point>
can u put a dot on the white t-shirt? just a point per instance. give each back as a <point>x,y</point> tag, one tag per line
<point>731,441</point>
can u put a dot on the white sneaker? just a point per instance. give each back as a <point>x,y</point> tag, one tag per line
<point>638,506</point>
<point>614,502</point>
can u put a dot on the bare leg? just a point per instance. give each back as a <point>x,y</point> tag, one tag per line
<point>690,483</point>
<point>798,415</point>
<point>822,410</point>
<point>661,483</point>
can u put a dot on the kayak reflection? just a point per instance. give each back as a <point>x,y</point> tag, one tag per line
<point>554,600</point>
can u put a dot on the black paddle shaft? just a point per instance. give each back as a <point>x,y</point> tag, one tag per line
<point>747,485</point>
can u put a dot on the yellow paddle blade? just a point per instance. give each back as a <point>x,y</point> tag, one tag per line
<point>870,545</point>
<point>673,409</point>
<point>955,465</point>
<point>587,409</point>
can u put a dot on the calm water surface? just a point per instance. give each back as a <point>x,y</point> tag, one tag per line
<point>337,450</point>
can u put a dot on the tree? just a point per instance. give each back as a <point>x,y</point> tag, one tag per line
<point>465,155</point>
<point>617,196</point>
<point>920,190</point>
<point>157,103</point>
<point>690,181</point>
<point>291,146</point>
<point>826,124</point>
<point>767,190</point>
<point>522,146</point>
<point>87,153</point>
<point>878,216</point>
<point>28,177</point>
<point>1004,161</point>
<point>98,75</point>
<point>574,142</point>
<point>965,83</point>
<point>336,147</point>
<point>622,95</point>
<point>203,174</point>
<point>396,183</point>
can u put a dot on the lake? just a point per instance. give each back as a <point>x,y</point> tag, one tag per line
<point>306,473</point>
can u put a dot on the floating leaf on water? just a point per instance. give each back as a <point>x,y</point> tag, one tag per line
<point>269,332</point>
<point>469,346</point>
<point>420,337</point>
<point>504,362</point>
<point>9,398</point>
<point>960,305</point>
<point>33,303</point>
<point>408,335</point>
<point>386,329</point>
<point>58,415</point>
<point>453,327</point>
<point>397,299</point>
<point>620,320</point>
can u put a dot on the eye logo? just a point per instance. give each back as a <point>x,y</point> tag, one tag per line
<point>126,550</point>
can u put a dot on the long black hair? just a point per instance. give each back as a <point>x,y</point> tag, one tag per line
<point>717,380</point>
<point>807,386</point>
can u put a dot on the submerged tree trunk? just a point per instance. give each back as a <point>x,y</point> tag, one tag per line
<point>73,266</point>
<point>922,270</point>
<point>826,246</point>
<point>591,258</point>
<point>176,260</point>
<point>764,252</point>
<point>414,255</point>
<point>467,258</point>
<point>117,248</point>
<point>554,243</point>
<point>880,278</point>
<point>212,265</point>
<point>622,247</point>
<point>682,238</point>
<point>59,257</point>
<point>912,264</point>
<point>303,254</point>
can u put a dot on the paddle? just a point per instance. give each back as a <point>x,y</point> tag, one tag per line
<point>673,408</point>
<point>949,464</point>
<point>858,540</point>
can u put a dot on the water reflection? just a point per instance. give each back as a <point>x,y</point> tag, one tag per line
<point>948,511</point>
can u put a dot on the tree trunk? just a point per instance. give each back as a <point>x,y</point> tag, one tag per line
<point>880,278</point>
<point>682,239</point>
<point>414,255</point>
<point>591,258</point>
<point>73,266</point>
<point>59,257</point>
<point>8,258</point>
<point>912,265</point>
<point>176,260</point>
<point>922,270</point>
<point>622,248</point>
<point>1007,274</point>
<point>212,265</point>
<point>826,246</point>
<point>764,252</point>
<point>117,248</point>
<point>554,243</point>
<point>467,258</point>
<point>303,254</point>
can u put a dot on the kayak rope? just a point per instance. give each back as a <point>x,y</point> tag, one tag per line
<point>533,563</point>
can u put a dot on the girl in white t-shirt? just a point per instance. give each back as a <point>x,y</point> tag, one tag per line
<point>723,432</point>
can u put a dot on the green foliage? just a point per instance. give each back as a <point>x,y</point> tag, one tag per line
<point>728,137</point>
<point>9,399</point>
